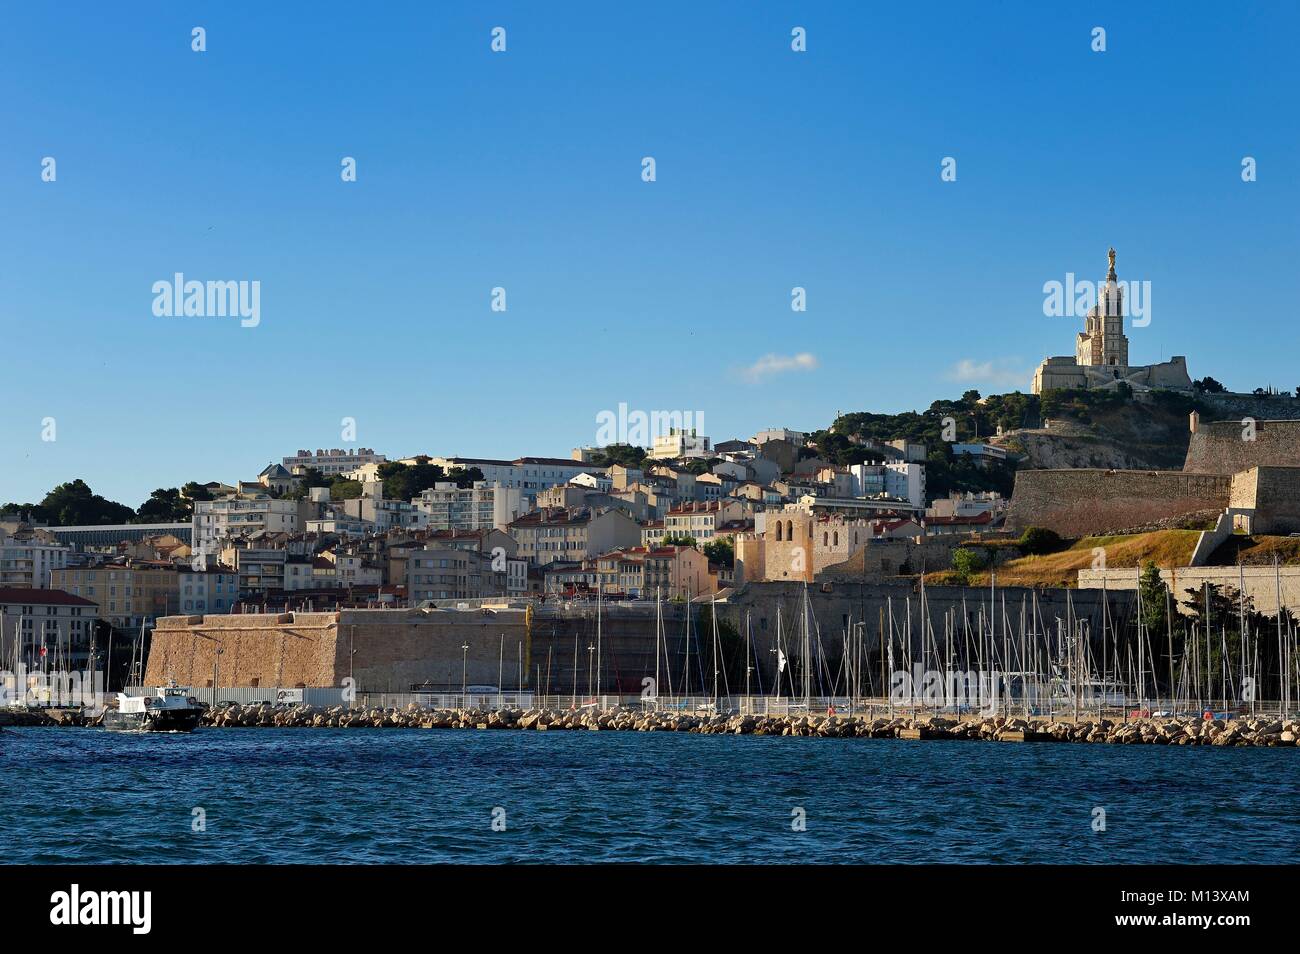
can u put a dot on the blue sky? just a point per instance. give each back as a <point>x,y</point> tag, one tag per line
<point>523,170</point>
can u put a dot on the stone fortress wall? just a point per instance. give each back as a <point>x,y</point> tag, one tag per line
<point>1251,466</point>
<point>1077,503</point>
<point>1227,447</point>
<point>383,650</point>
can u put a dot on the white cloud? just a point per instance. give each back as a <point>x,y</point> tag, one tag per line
<point>999,371</point>
<point>779,364</point>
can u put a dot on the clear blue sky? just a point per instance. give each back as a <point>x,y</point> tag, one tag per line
<point>523,170</point>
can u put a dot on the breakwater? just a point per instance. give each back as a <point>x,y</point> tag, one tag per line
<point>1245,731</point>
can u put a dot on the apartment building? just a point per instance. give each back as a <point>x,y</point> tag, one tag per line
<point>673,572</point>
<point>374,508</point>
<point>495,544</point>
<point>484,506</point>
<point>529,474</point>
<point>210,590</point>
<point>240,515</point>
<point>545,536</point>
<point>678,443</point>
<point>798,438</point>
<point>26,561</point>
<point>968,504</point>
<point>333,462</point>
<point>701,520</point>
<point>261,569</point>
<point>352,569</point>
<point>31,617</point>
<point>982,454</point>
<point>444,573</point>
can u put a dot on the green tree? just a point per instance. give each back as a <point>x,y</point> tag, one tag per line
<point>405,482</point>
<point>165,505</point>
<point>194,490</point>
<point>721,551</point>
<point>625,455</point>
<point>463,478</point>
<point>1036,541</point>
<point>966,562</point>
<point>678,540</point>
<point>1155,596</point>
<point>75,504</point>
<point>343,489</point>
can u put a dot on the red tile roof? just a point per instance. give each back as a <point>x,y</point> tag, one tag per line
<point>32,597</point>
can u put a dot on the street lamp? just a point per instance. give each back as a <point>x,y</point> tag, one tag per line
<point>464,666</point>
<point>216,658</point>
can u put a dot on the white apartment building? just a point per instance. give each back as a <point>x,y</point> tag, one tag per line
<point>351,569</point>
<point>529,474</point>
<point>373,508</point>
<point>240,515</point>
<point>28,563</point>
<point>906,481</point>
<point>335,461</point>
<point>444,573</point>
<point>900,479</point>
<point>677,443</point>
<point>868,479</point>
<point>485,506</point>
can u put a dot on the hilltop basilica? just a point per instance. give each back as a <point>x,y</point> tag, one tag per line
<point>1101,352</point>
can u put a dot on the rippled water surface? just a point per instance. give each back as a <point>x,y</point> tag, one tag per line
<point>408,796</point>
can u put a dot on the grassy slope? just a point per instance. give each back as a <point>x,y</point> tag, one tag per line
<point>1163,547</point>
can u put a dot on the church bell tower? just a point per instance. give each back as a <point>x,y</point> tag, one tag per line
<point>1103,342</point>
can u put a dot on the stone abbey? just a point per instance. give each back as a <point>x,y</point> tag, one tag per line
<point>1101,352</point>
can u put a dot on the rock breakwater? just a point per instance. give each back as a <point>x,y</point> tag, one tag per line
<point>1244,731</point>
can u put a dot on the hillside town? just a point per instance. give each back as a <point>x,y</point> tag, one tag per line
<point>326,528</point>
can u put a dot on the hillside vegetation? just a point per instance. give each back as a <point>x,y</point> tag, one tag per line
<point>1108,429</point>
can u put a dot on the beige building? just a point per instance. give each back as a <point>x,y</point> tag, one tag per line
<point>702,521</point>
<point>672,572</point>
<point>127,594</point>
<point>545,536</point>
